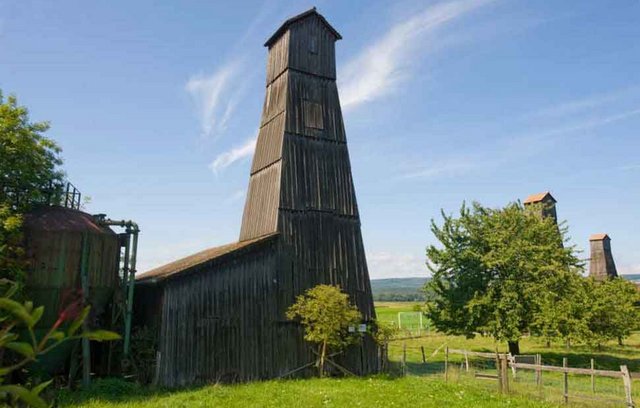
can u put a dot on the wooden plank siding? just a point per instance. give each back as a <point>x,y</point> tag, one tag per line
<point>223,316</point>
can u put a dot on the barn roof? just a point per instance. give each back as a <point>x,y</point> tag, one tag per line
<point>536,198</point>
<point>598,237</point>
<point>299,17</point>
<point>216,253</point>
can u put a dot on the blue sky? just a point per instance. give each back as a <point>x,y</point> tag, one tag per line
<point>156,105</point>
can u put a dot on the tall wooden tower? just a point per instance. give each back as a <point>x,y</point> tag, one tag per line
<point>220,312</point>
<point>301,184</point>
<point>601,265</point>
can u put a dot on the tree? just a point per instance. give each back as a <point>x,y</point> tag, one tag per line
<point>613,313</point>
<point>492,268</point>
<point>326,315</point>
<point>29,172</point>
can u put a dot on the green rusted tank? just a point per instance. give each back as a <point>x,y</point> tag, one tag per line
<point>55,239</point>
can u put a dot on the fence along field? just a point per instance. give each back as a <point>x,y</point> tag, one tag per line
<point>577,376</point>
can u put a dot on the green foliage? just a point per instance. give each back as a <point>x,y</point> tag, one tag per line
<point>326,314</point>
<point>28,170</point>
<point>384,332</point>
<point>30,161</point>
<point>16,317</point>
<point>493,269</point>
<point>612,312</point>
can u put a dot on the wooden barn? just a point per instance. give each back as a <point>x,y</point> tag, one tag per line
<point>220,313</point>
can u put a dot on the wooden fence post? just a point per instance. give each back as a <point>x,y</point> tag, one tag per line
<point>466,361</point>
<point>566,381</point>
<point>626,378</point>
<point>505,374</point>
<point>538,370</point>
<point>593,377</point>
<point>446,363</point>
<point>404,358</point>
<point>499,371</point>
<point>424,358</point>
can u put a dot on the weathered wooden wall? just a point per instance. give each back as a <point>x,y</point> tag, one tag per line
<point>601,264</point>
<point>301,184</point>
<point>223,310</point>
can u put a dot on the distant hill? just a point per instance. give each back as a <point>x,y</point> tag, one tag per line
<point>410,289</point>
<point>398,289</point>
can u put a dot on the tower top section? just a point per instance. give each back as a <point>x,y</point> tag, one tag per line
<point>295,19</point>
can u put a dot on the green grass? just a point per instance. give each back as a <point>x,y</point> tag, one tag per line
<point>609,357</point>
<point>423,387</point>
<point>355,392</point>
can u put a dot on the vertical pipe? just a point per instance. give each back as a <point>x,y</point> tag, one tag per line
<point>84,277</point>
<point>538,370</point>
<point>125,265</point>
<point>566,381</point>
<point>132,274</point>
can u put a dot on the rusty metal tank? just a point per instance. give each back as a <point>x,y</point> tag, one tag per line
<point>55,238</point>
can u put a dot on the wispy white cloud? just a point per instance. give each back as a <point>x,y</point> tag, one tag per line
<point>442,168</point>
<point>216,96</point>
<point>381,67</point>
<point>237,153</point>
<point>236,196</point>
<point>630,167</point>
<point>509,149</point>
<point>583,104</point>
<point>396,265</point>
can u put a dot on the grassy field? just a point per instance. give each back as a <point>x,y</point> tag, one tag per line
<point>609,357</point>
<point>424,386</point>
<point>359,392</point>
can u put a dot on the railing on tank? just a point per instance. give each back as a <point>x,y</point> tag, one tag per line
<point>71,197</point>
<point>63,194</point>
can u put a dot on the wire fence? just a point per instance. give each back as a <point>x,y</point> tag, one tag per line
<point>572,383</point>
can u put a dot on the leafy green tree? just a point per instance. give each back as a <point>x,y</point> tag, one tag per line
<point>326,315</point>
<point>564,309</point>
<point>492,268</point>
<point>613,312</point>
<point>29,171</point>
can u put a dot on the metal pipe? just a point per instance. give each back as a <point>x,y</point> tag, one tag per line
<point>131,254</point>
<point>84,276</point>
<point>129,305</point>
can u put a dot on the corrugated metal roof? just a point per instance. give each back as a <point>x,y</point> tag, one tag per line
<point>201,257</point>
<point>598,237</point>
<point>536,198</point>
<point>300,16</point>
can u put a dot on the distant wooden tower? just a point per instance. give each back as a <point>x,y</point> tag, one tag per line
<point>546,202</point>
<point>601,265</point>
<point>221,312</point>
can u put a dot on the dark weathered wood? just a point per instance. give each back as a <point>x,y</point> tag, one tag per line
<point>601,264</point>
<point>223,311</point>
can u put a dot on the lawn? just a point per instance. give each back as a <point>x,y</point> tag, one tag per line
<point>355,392</point>
<point>609,357</point>
<point>424,386</point>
